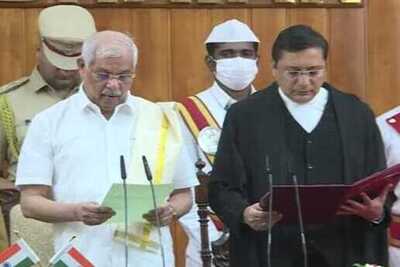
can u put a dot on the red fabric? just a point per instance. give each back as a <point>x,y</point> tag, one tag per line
<point>217,222</point>
<point>394,121</point>
<point>8,252</point>
<point>395,230</point>
<point>195,113</point>
<point>80,258</point>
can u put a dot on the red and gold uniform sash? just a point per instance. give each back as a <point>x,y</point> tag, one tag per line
<point>196,116</point>
<point>394,231</point>
<point>394,121</point>
<point>394,228</point>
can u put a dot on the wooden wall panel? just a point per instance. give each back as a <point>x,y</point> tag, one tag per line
<point>383,83</point>
<point>315,17</point>
<point>31,34</point>
<point>151,30</point>
<point>189,30</point>
<point>363,41</point>
<point>347,63</point>
<point>113,19</point>
<point>266,23</point>
<point>12,55</point>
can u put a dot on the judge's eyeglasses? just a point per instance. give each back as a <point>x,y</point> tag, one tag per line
<point>296,74</point>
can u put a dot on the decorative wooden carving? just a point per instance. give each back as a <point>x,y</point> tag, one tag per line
<point>187,3</point>
<point>181,1</point>
<point>238,1</point>
<point>107,1</point>
<point>210,1</point>
<point>220,247</point>
<point>201,198</point>
<point>312,1</point>
<point>220,250</point>
<point>285,1</point>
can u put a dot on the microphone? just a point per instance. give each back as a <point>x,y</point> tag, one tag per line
<point>299,212</point>
<point>149,177</point>
<point>123,177</point>
<point>271,195</point>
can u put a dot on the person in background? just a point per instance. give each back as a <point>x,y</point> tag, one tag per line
<point>232,58</point>
<point>54,78</point>
<point>389,125</point>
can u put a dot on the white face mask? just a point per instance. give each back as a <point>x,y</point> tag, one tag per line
<point>236,73</point>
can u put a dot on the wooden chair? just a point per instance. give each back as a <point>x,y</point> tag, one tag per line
<point>219,255</point>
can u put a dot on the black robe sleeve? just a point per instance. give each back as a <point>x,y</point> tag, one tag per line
<point>226,187</point>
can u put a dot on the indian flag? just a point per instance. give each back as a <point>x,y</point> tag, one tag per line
<point>18,254</point>
<point>69,256</point>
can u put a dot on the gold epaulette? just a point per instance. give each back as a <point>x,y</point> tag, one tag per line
<point>13,85</point>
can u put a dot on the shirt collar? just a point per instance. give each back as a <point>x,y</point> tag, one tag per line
<point>38,83</point>
<point>36,79</point>
<point>85,103</point>
<point>318,102</point>
<point>223,99</point>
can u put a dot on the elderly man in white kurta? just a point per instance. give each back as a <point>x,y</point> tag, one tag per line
<point>389,124</point>
<point>70,158</point>
<point>232,59</point>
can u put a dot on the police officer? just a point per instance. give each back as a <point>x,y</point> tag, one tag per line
<point>389,125</point>
<point>62,29</point>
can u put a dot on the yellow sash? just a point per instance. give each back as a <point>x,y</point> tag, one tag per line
<point>157,136</point>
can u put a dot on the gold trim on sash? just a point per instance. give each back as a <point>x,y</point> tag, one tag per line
<point>190,122</point>
<point>157,136</point>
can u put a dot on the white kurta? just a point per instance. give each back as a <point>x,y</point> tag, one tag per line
<point>75,150</point>
<point>217,102</point>
<point>391,141</point>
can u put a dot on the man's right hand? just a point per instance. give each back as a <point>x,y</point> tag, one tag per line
<point>91,213</point>
<point>257,218</point>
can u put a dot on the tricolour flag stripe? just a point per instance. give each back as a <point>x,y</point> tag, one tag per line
<point>28,250</point>
<point>27,262</point>
<point>18,255</point>
<point>60,264</point>
<point>8,252</point>
<point>75,254</point>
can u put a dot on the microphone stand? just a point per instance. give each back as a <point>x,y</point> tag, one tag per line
<point>123,177</point>
<point>300,217</point>
<point>149,177</point>
<point>271,195</point>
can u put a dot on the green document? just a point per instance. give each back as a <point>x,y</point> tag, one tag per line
<point>140,200</point>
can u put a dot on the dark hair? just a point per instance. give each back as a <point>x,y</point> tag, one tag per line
<point>297,38</point>
<point>212,46</point>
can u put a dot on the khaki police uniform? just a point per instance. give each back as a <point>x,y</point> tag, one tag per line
<point>21,100</point>
<point>25,98</point>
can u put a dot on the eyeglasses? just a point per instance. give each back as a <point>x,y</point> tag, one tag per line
<point>104,77</point>
<point>295,74</point>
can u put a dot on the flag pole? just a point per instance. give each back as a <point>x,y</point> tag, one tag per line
<point>60,250</point>
<point>39,264</point>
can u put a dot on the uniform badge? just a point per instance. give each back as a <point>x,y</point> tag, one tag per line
<point>394,121</point>
<point>208,139</point>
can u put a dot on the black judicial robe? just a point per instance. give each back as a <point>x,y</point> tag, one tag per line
<point>254,128</point>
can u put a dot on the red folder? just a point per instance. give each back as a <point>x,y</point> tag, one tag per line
<point>319,203</point>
